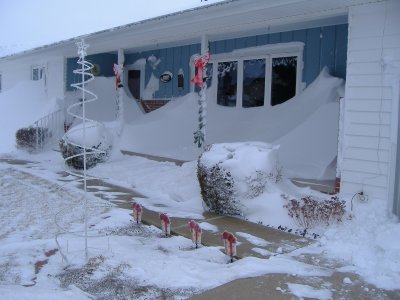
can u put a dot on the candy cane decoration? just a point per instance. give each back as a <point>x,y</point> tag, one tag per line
<point>119,72</point>
<point>230,242</point>
<point>137,212</point>
<point>200,63</point>
<point>165,224</point>
<point>196,232</point>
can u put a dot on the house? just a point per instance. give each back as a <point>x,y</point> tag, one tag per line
<point>269,50</point>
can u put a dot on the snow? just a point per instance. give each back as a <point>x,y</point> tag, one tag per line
<point>27,217</point>
<point>172,126</point>
<point>301,290</point>
<point>31,198</point>
<point>21,107</point>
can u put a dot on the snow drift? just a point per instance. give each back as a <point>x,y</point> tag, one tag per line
<point>21,106</point>
<point>311,116</point>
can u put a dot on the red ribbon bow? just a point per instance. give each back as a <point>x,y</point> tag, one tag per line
<point>200,63</point>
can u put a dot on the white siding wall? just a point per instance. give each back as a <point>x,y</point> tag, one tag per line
<point>15,71</point>
<point>374,40</point>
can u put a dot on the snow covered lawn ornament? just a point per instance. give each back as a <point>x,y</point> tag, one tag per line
<point>88,142</point>
<point>230,242</point>
<point>200,64</point>
<point>196,232</point>
<point>137,212</point>
<point>118,71</point>
<point>165,224</point>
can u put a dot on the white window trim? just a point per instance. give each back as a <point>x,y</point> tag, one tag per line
<point>44,74</point>
<point>266,52</point>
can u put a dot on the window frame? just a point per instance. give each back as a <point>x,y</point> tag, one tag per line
<point>267,52</point>
<point>42,73</point>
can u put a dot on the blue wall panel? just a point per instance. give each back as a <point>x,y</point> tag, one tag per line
<point>328,47</point>
<point>341,33</point>
<point>105,61</point>
<point>324,46</point>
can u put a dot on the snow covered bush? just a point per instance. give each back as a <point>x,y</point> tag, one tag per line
<point>309,212</point>
<point>230,173</point>
<point>30,138</point>
<point>217,189</point>
<point>97,141</point>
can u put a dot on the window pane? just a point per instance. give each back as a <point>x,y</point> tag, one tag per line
<point>253,82</point>
<point>283,79</point>
<point>35,74</point>
<point>227,83</point>
<point>207,76</point>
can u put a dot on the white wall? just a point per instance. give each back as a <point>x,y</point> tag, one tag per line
<point>17,70</point>
<point>369,117</point>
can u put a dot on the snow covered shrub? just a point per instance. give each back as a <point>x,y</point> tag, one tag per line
<point>309,212</point>
<point>30,138</point>
<point>231,173</point>
<point>98,146</point>
<point>217,189</point>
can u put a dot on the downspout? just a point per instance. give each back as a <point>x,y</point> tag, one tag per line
<point>339,160</point>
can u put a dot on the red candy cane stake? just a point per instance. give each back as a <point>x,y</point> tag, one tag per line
<point>137,212</point>
<point>165,224</point>
<point>196,232</point>
<point>229,244</point>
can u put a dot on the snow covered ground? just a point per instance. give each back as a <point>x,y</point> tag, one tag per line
<point>42,234</point>
<point>33,200</point>
<point>33,197</point>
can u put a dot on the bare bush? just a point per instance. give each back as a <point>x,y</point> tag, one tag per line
<point>309,212</point>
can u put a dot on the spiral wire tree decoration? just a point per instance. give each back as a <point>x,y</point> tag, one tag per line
<point>86,97</point>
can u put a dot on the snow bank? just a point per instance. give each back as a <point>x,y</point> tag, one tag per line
<point>242,158</point>
<point>104,109</point>
<point>311,116</point>
<point>21,106</point>
<point>368,243</point>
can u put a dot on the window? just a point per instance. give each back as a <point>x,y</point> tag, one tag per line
<point>258,76</point>
<point>283,79</point>
<point>38,72</point>
<point>227,83</point>
<point>253,82</point>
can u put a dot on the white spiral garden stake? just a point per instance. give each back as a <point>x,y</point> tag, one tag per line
<point>87,96</point>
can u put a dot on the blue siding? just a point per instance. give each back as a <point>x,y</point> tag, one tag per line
<point>341,33</point>
<point>312,63</point>
<point>104,60</point>
<point>324,46</point>
<point>172,59</point>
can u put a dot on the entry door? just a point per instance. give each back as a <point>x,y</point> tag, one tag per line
<point>134,83</point>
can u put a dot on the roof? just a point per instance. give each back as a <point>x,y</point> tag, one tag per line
<point>222,20</point>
